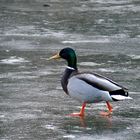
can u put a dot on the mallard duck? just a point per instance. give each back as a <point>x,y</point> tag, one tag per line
<point>88,87</point>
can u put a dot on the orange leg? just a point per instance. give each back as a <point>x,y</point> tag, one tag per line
<point>109,106</point>
<point>81,113</point>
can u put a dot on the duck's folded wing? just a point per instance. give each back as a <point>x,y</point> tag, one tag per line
<point>98,75</point>
<point>99,82</point>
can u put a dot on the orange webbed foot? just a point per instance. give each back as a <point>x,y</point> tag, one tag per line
<point>109,106</point>
<point>81,113</point>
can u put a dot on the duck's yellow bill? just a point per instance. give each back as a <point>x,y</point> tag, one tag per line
<point>57,56</point>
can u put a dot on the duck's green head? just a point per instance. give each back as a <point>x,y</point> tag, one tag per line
<point>69,55</point>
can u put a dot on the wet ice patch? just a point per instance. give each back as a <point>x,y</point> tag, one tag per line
<point>20,31</point>
<point>89,64</point>
<point>19,75</point>
<point>104,40</point>
<point>50,127</point>
<point>43,72</point>
<point>20,115</point>
<point>69,136</point>
<point>2,116</point>
<point>135,57</point>
<point>32,31</point>
<point>106,70</point>
<point>13,60</point>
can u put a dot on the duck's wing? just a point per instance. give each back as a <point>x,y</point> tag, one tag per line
<point>101,76</point>
<point>98,81</point>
